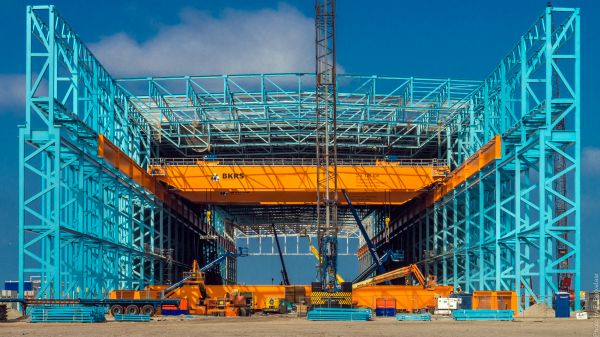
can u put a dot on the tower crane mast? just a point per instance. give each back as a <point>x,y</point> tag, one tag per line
<point>326,142</point>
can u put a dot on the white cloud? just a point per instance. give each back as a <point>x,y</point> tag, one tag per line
<point>235,41</point>
<point>590,161</point>
<point>12,91</point>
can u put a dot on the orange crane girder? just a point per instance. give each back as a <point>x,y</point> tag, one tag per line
<point>209,182</point>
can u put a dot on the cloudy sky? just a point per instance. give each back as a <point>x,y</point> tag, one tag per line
<point>444,39</point>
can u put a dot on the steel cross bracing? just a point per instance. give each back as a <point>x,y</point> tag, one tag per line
<point>84,227</point>
<point>326,151</point>
<point>293,224</point>
<point>290,220</point>
<point>273,115</point>
<point>511,225</point>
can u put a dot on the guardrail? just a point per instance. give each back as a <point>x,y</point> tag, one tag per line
<point>292,162</point>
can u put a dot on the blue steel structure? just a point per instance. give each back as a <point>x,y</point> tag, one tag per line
<point>86,228</point>
<point>511,226</point>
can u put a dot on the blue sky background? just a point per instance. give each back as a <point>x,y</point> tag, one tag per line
<point>455,39</point>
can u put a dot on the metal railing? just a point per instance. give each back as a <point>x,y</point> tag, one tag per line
<point>292,162</point>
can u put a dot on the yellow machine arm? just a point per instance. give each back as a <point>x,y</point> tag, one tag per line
<point>394,274</point>
<point>315,252</point>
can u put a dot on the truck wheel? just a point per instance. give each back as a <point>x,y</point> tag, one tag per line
<point>132,309</point>
<point>116,309</point>
<point>243,312</point>
<point>283,309</point>
<point>148,309</point>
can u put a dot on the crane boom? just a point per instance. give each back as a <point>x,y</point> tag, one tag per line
<point>284,274</point>
<point>394,274</point>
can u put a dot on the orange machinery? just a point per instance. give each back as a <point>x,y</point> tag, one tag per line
<point>192,296</point>
<point>408,298</point>
<point>197,298</point>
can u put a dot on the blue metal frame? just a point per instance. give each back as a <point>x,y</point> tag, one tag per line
<point>502,229</point>
<point>275,114</point>
<point>84,227</point>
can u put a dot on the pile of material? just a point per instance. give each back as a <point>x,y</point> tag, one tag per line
<point>131,318</point>
<point>413,317</point>
<point>538,310</point>
<point>67,314</point>
<point>339,314</point>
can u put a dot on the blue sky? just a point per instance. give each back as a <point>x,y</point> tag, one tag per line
<point>455,39</point>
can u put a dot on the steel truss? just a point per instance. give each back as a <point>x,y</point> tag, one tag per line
<point>84,227</point>
<point>510,226</point>
<point>273,115</point>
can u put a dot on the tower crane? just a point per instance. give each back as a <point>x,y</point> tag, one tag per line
<point>326,143</point>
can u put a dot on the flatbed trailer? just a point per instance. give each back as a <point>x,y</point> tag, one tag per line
<point>116,306</point>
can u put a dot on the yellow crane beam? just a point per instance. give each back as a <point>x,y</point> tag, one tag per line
<point>216,183</point>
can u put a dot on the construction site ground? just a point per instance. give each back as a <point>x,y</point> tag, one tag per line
<point>266,326</point>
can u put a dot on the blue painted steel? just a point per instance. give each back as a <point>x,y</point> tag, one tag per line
<point>482,315</point>
<point>413,317</point>
<point>389,312</point>
<point>339,314</point>
<point>377,261</point>
<point>67,314</point>
<point>275,114</point>
<point>515,225</point>
<point>562,305</point>
<point>174,312</point>
<point>14,285</point>
<point>242,251</point>
<point>84,227</point>
<point>131,318</point>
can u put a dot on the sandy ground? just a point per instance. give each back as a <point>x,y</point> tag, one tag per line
<point>292,326</point>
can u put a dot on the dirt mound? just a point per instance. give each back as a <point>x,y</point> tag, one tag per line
<point>538,311</point>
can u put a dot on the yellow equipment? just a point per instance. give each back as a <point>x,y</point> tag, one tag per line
<point>315,252</point>
<point>271,304</point>
<point>394,274</point>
